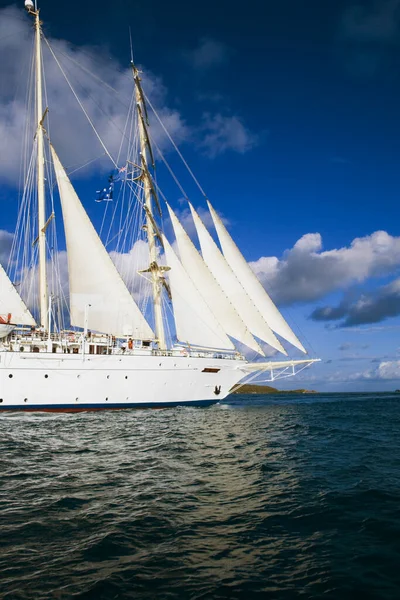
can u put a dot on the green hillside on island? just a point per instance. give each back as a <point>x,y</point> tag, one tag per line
<point>267,389</point>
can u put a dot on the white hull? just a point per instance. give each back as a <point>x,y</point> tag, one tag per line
<point>45,381</point>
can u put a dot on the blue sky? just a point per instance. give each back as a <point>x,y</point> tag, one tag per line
<point>288,114</point>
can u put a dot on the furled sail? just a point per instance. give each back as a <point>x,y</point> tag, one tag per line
<point>96,287</point>
<point>251,284</point>
<point>227,279</point>
<point>195,323</point>
<point>210,289</point>
<point>12,304</point>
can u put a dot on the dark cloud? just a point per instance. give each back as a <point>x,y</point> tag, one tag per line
<point>329,313</point>
<point>372,307</point>
<point>345,346</point>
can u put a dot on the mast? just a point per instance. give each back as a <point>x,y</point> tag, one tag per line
<point>149,190</point>
<point>43,292</point>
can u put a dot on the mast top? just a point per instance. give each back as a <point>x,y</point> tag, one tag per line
<point>31,7</point>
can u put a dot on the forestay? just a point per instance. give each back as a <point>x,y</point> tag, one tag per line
<point>194,322</point>
<point>96,287</point>
<point>210,289</point>
<point>221,270</point>
<point>251,284</point>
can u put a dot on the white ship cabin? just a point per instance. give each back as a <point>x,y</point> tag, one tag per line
<point>36,339</point>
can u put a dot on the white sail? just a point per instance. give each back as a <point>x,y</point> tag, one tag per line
<point>251,284</point>
<point>227,279</point>
<point>96,288</point>
<point>195,323</point>
<point>12,304</point>
<point>213,294</point>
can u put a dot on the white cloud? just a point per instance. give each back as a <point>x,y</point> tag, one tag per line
<point>6,239</point>
<point>209,53</point>
<point>105,91</point>
<point>306,273</point>
<point>128,265</point>
<point>220,133</point>
<point>106,103</point>
<point>26,281</point>
<point>389,370</point>
<point>385,371</point>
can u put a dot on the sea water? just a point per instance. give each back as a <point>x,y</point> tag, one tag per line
<point>258,497</point>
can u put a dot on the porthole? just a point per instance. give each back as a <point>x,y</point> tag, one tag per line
<point>126,376</point>
<point>76,399</point>
<point>77,376</point>
<point>10,375</point>
<point>108,377</point>
<point>106,399</point>
<point>1,399</point>
<point>46,376</point>
<point>25,399</point>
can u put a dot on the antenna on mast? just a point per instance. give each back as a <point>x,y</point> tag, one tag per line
<point>130,41</point>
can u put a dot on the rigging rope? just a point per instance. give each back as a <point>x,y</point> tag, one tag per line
<point>171,172</point>
<point>89,162</point>
<point>80,104</point>
<point>176,147</point>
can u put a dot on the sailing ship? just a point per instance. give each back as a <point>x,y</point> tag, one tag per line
<point>106,348</point>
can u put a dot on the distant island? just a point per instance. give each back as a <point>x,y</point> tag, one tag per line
<point>267,389</point>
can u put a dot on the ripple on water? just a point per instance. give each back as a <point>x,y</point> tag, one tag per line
<point>259,497</point>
